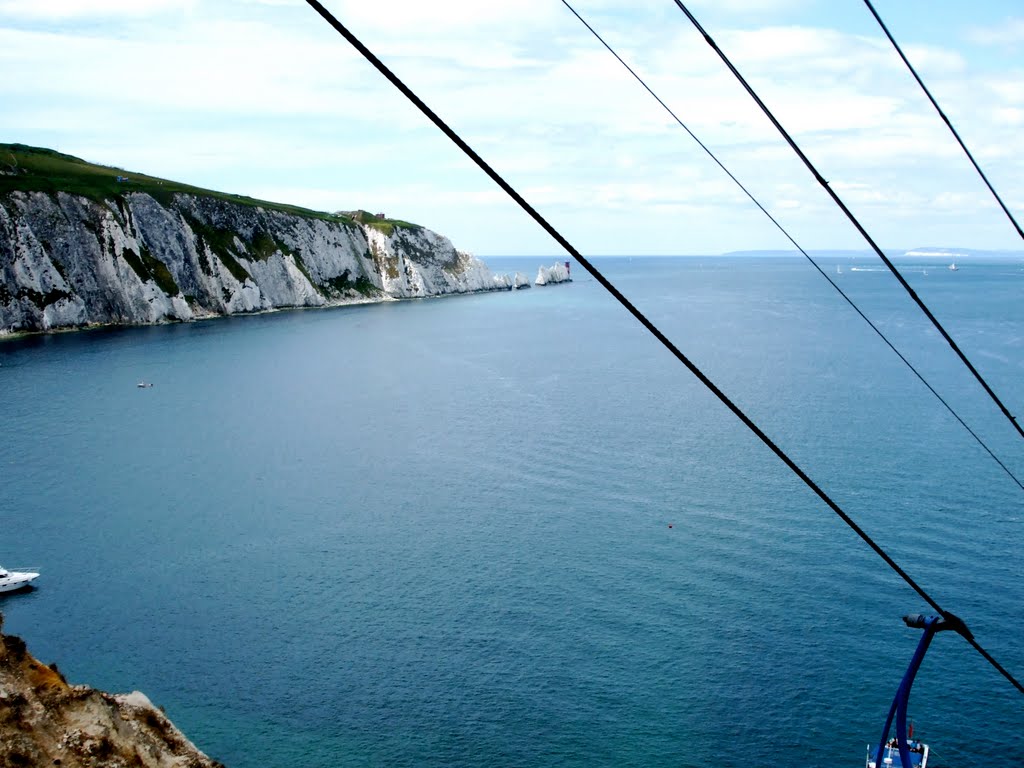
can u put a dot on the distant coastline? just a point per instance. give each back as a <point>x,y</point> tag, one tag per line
<point>893,253</point>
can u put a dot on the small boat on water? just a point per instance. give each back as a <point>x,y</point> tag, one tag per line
<point>953,267</point>
<point>144,384</point>
<point>12,580</point>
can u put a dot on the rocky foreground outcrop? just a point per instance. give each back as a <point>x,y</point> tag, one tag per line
<point>44,721</point>
<point>139,257</point>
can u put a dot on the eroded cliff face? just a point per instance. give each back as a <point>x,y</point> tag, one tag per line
<point>45,721</point>
<point>68,261</point>
<point>557,273</point>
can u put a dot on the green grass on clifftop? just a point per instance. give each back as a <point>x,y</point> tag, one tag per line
<point>385,225</point>
<point>34,169</point>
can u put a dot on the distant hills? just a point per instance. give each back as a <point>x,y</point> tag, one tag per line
<point>932,252</point>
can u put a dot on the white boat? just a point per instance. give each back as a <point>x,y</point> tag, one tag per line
<point>12,580</point>
<point>144,384</point>
<point>953,267</point>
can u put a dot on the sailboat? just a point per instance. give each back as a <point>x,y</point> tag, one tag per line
<point>953,267</point>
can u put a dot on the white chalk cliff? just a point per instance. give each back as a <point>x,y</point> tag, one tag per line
<point>557,273</point>
<point>70,261</point>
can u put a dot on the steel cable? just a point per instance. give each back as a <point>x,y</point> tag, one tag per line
<point>945,119</point>
<point>666,342</point>
<point>849,215</point>
<point>796,245</point>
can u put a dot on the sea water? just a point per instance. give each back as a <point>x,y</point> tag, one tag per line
<point>511,530</point>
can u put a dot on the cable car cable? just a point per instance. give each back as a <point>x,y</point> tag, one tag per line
<point>945,119</point>
<point>600,278</point>
<point>789,237</point>
<point>849,215</point>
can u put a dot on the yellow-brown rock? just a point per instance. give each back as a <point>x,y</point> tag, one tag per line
<point>44,721</point>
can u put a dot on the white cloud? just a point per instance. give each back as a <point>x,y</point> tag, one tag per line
<point>269,101</point>
<point>1010,32</point>
<point>1009,89</point>
<point>743,7</point>
<point>258,73</point>
<point>54,10</point>
<point>930,61</point>
<point>429,21</point>
<point>1009,116</point>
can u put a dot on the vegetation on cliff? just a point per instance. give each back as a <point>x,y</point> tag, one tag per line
<point>37,169</point>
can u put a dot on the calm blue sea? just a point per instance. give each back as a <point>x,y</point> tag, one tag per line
<point>510,530</point>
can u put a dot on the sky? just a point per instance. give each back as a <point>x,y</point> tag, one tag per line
<point>263,98</point>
